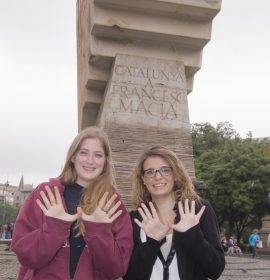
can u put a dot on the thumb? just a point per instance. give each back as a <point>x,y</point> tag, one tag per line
<point>79,211</point>
<point>201,212</point>
<point>173,226</point>
<point>76,216</point>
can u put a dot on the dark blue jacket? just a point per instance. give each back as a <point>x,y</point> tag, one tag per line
<point>199,252</point>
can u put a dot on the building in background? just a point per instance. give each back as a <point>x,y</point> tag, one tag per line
<point>22,192</point>
<point>7,193</point>
<point>15,195</point>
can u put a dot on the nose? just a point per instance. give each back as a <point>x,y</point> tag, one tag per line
<point>90,158</point>
<point>158,174</point>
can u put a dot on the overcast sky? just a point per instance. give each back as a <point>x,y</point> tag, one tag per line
<point>38,88</point>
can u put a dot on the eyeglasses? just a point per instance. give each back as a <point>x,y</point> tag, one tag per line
<point>163,171</point>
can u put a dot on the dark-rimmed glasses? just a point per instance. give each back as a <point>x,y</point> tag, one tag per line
<point>163,171</point>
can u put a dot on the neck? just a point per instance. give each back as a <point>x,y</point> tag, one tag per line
<point>165,208</point>
<point>164,203</point>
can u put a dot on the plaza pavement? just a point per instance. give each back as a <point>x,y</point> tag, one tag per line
<point>237,268</point>
<point>247,268</point>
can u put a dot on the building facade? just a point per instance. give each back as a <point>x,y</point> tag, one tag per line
<point>15,195</point>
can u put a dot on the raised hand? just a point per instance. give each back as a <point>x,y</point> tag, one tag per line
<point>188,218</point>
<point>105,212</point>
<point>52,205</point>
<point>151,224</point>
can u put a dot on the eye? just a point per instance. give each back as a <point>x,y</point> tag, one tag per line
<point>149,172</point>
<point>99,155</point>
<point>83,152</point>
<point>166,170</point>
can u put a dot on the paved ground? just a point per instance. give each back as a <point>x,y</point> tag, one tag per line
<point>8,265</point>
<point>245,267</point>
<point>237,268</point>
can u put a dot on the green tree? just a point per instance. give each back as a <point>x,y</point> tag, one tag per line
<point>236,172</point>
<point>8,213</point>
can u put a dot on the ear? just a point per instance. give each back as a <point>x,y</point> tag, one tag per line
<point>142,180</point>
<point>72,159</point>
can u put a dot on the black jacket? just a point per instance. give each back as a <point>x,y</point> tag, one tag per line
<point>199,252</point>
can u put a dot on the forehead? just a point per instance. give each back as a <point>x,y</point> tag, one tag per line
<point>92,144</point>
<point>154,162</point>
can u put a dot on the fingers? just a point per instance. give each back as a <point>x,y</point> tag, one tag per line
<point>189,210</point>
<point>80,212</point>
<point>113,209</point>
<point>138,223</point>
<point>192,208</point>
<point>153,210</point>
<point>50,194</point>
<point>51,198</point>
<point>109,203</point>
<point>186,206</point>
<point>41,205</point>
<point>201,212</point>
<point>144,217</point>
<point>110,207</point>
<point>180,207</point>
<point>45,199</point>
<point>115,216</point>
<point>145,213</point>
<point>57,195</point>
<point>102,201</point>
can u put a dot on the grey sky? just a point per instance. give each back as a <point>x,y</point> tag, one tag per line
<point>38,89</point>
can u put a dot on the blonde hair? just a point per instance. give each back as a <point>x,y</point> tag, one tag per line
<point>103,183</point>
<point>183,187</point>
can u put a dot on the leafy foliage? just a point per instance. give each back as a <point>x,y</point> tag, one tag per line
<point>236,172</point>
<point>8,213</point>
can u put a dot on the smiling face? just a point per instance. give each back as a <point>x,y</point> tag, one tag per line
<point>89,161</point>
<point>158,185</point>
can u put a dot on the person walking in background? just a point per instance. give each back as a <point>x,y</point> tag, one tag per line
<point>175,232</point>
<point>224,242</point>
<point>230,246</point>
<point>4,231</point>
<point>75,226</point>
<point>253,240</point>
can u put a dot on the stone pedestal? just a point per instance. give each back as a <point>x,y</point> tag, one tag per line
<point>145,105</point>
<point>136,65</point>
<point>265,230</point>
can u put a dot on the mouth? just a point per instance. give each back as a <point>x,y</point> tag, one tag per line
<point>89,169</point>
<point>159,185</point>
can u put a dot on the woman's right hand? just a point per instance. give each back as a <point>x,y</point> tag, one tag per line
<point>52,205</point>
<point>151,224</point>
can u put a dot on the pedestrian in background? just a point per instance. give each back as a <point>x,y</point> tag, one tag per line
<point>230,246</point>
<point>224,242</point>
<point>253,240</point>
<point>75,226</point>
<point>175,232</point>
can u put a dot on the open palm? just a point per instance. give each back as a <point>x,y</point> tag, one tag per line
<point>151,224</point>
<point>52,206</point>
<point>106,211</point>
<point>188,218</point>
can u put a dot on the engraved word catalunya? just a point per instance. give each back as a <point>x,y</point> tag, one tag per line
<point>148,73</point>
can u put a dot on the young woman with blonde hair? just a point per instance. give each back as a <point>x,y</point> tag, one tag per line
<point>75,226</point>
<point>175,232</point>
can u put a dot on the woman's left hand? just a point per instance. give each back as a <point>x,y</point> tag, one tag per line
<point>105,212</point>
<point>188,218</point>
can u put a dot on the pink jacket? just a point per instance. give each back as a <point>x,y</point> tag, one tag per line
<point>42,244</point>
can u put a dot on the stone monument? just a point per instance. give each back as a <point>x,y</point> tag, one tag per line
<point>265,230</point>
<point>136,65</point>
